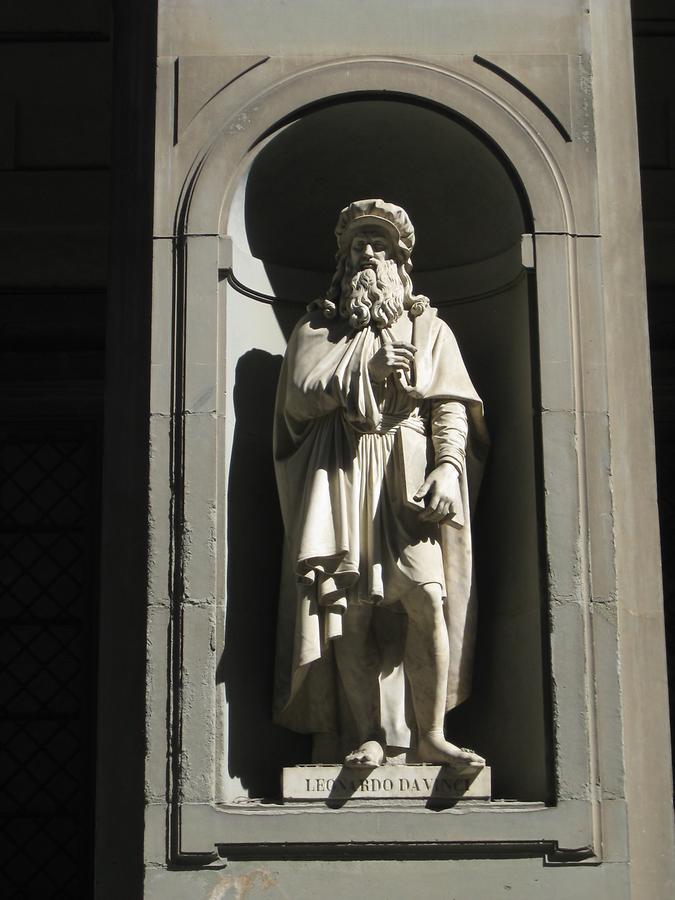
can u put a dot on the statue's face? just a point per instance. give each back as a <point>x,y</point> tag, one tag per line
<point>368,247</point>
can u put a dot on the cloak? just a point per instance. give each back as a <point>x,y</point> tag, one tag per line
<point>325,399</point>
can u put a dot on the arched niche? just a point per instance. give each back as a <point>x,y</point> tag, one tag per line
<point>470,211</point>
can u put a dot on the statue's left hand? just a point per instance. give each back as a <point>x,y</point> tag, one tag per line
<point>441,490</point>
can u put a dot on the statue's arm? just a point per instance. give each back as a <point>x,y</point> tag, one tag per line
<point>449,430</point>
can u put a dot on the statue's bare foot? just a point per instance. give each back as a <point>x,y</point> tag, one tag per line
<point>433,748</point>
<point>369,755</point>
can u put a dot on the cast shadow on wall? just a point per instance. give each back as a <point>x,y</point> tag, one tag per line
<point>257,748</point>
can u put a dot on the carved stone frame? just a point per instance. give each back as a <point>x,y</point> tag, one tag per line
<point>587,823</point>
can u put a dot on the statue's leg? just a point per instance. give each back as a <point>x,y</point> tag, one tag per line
<point>426,664</point>
<point>358,665</point>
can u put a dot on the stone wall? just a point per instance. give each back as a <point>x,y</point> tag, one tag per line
<point>654,43</point>
<point>229,79</point>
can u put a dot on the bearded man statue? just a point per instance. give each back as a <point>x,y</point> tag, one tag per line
<point>378,435</point>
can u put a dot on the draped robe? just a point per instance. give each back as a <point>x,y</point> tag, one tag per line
<point>326,408</point>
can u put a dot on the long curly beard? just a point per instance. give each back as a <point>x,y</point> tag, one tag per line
<point>372,295</point>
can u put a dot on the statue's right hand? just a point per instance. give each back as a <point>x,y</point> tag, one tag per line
<point>392,357</point>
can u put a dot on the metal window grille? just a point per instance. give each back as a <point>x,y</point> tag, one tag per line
<point>48,524</point>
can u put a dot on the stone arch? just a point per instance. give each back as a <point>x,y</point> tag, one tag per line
<point>202,211</point>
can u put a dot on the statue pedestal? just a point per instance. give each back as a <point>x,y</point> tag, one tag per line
<point>406,782</point>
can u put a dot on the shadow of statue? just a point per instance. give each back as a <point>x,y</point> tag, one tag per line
<point>258,749</point>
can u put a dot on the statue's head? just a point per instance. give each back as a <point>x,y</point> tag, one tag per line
<point>386,218</point>
<point>372,282</point>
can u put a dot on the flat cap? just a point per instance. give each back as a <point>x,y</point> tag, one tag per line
<point>376,213</point>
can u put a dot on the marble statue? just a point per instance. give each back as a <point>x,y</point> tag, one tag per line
<point>379,445</point>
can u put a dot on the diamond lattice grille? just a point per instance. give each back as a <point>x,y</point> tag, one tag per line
<point>46,638</point>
